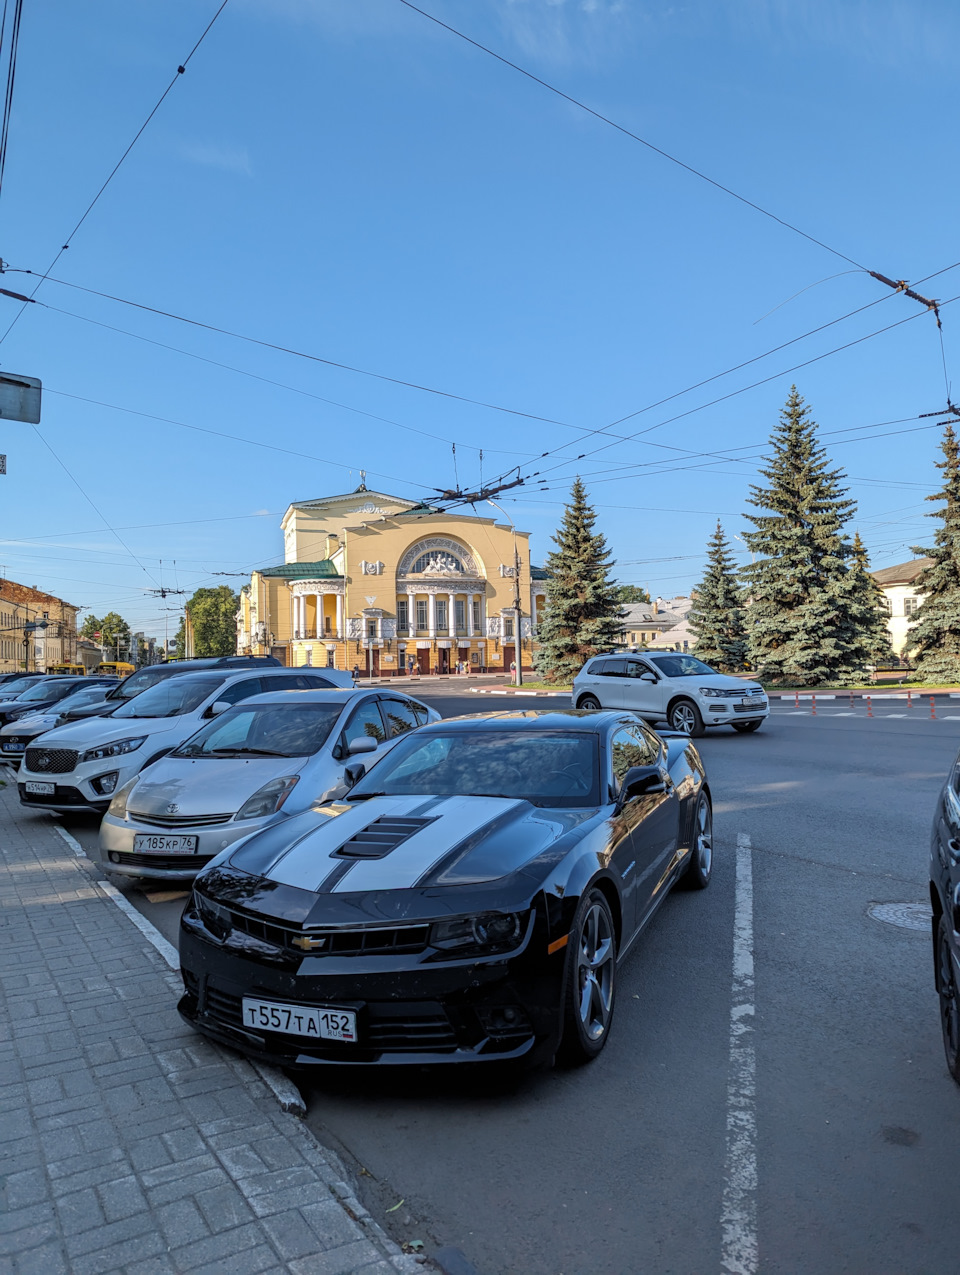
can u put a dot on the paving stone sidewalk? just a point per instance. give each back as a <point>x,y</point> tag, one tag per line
<point>128,1143</point>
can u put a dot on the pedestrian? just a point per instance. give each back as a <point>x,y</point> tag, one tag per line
<point>513,666</point>
<point>356,672</point>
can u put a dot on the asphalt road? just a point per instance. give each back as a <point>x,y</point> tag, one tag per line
<point>621,1167</point>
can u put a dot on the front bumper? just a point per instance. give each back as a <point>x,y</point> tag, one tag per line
<point>496,1010</point>
<point>116,852</point>
<point>726,713</point>
<point>75,788</point>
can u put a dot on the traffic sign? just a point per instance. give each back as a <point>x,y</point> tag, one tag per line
<point>19,398</point>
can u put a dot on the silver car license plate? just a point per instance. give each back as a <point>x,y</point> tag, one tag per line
<point>756,702</point>
<point>42,790</point>
<point>318,1021</point>
<point>158,843</point>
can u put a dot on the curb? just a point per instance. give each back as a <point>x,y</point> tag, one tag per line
<point>518,690</point>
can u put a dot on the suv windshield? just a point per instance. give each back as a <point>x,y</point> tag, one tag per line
<point>18,684</point>
<point>172,698</point>
<point>276,730</point>
<point>48,690</point>
<point>542,767</point>
<point>680,665</point>
<point>141,681</point>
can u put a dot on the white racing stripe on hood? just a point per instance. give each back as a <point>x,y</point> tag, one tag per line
<point>453,819</point>
<point>309,860</point>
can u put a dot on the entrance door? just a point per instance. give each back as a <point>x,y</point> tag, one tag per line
<point>423,661</point>
<point>508,657</point>
<point>443,659</point>
<point>373,661</point>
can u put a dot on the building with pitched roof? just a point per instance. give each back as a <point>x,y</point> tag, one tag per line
<point>899,585</point>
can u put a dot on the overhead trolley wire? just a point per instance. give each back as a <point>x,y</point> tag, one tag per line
<point>11,76</point>
<point>620,128</point>
<point>113,172</point>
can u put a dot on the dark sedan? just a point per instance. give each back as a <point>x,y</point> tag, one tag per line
<point>43,694</point>
<point>945,898</point>
<point>469,901</point>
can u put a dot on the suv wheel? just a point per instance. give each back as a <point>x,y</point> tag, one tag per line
<point>588,701</point>
<point>685,716</point>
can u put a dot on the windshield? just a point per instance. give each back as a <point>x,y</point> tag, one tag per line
<point>17,685</point>
<point>272,731</point>
<point>542,767</point>
<point>680,665</point>
<point>138,682</point>
<point>88,695</point>
<point>47,691</point>
<point>172,698</point>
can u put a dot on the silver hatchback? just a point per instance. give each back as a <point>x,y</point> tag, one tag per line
<point>263,759</point>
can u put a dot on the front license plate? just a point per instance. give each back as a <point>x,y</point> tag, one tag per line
<point>151,843</point>
<point>752,703</point>
<point>42,790</point>
<point>12,746</point>
<point>299,1020</point>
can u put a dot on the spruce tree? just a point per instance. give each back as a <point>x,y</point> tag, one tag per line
<point>717,616</point>
<point>800,627</point>
<point>868,607</point>
<point>935,633</point>
<point>583,613</point>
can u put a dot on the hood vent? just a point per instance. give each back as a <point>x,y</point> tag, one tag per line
<point>381,837</point>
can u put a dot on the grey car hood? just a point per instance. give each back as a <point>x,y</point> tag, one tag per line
<point>205,785</point>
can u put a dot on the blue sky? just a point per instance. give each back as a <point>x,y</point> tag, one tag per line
<point>344,177</point>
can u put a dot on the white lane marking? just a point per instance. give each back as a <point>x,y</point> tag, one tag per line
<point>282,1088</point>
<point>738,1217</point>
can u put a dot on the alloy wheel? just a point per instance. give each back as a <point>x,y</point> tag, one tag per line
<point>704,837</point>
<point>595,972</point>
<point>949,1009</point>
<point>684,718</point>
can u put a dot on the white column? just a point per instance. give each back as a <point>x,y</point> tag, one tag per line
<point>451,615</point>
<point>470,597</point>
<point>432,615</point>
<point>340,615</point>
<point>411,615</point>
<point>318,615</point>
<point>296,615</point>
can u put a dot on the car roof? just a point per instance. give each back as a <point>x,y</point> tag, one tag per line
<point>534,719</point>
<point>322,695</point>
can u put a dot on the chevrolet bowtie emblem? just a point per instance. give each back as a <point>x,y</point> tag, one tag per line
<point>309,943</point>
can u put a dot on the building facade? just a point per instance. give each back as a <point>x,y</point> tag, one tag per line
<point>37,630</point>
<point>660,625</point>
<point>899,588</point>
<point>386,585</point>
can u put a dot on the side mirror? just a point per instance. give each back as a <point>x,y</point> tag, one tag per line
<point>641,781</point>
<point>217,707</point>
<point>648,677</point>
<point>365,744</point>
<point>353,774</point>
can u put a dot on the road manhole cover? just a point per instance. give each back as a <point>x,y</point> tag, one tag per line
<point>908,916</point>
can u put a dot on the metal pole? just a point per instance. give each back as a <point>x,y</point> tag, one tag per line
<point>517,611</point>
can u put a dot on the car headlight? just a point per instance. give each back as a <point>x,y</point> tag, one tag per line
<point>268,799</point>
<point>116,749</point>
<point>118,806</point>
<point>486,932</point>
<point>712,693</point>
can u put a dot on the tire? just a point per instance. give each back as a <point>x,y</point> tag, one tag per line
<point>685,716</point>
<point>588,701</point>
<point>746,728</point>
<point>700,868</point>
<point>588,1001</point>
<point>949,1002</point>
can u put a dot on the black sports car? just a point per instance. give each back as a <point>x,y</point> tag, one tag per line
<point>945,899</point>
<point>468,901</point>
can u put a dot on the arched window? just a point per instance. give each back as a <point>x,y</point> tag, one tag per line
<point>438,562</point>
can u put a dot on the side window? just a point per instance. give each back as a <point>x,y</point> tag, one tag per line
<point>365,722</point>
<point>239,690</point>
<point>317,683</point>
<point>630,747</point>
<point>419,711</point>
<point>399,716</point>
<point>615,668</point>
<point>597,668</point>
<point>636,669</point>
<point>289,682</point>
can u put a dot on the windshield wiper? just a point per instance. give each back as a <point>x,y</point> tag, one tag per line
<point>249,752</point>
<point>362,796</point>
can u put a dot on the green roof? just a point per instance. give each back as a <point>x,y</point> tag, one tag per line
<point>539,573</point>
<point>417,510</point>
<point>324,570</point>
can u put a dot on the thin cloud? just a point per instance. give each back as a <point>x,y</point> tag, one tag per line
<point>231,159</point>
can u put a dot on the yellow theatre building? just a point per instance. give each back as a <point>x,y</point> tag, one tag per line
<point>386,584</point>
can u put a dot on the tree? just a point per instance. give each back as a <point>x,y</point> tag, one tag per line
<point>629,593</point>
<point>800,627</point>
<point>717,615</point>
<point>213,615</point>
<point>583,611</point>
<point>935,631</point>
<point>90,626</point>
<point>868,607</point>
<point>114,636</point>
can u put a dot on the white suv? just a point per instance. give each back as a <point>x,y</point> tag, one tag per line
<point>668,686</point>
<point>81,765</point>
